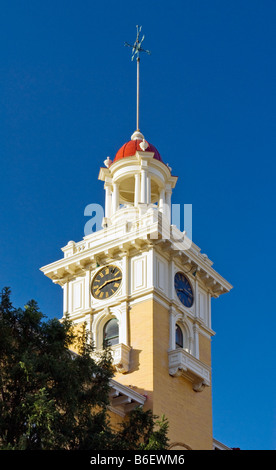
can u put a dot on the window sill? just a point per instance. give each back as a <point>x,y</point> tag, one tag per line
<point>121,357</point>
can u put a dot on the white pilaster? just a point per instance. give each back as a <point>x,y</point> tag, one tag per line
<point>148,189</point>
<point>171,279</point>
<point>137,189</point>
<point>168,204</point>
<point>209,310</point>
<point>143,186</point>
<point>115,197</point>
<point>123,331</point>
<point>125,323</point>
<point>125,269</point>
<point>87,294</point>
<point>197,313</point>
<point>151,275</point>
<point>196,341</point>
<point>172,328</point>
<point>162,200</point>
<point>65,298</point>
<point>108,200</point>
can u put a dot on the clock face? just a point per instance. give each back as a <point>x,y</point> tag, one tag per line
<point>106,282</point>
<point>183,289</point>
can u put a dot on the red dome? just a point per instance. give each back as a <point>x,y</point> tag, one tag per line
<point>129,149</point>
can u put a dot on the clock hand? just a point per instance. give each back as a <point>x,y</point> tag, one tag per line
<point>184,290</point>
<point>108,281</point>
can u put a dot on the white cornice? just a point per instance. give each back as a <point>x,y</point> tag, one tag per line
<point>123,399</point>
<point>144,232</point>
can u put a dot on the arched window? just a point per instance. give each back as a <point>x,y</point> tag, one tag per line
<point>178,337</point>
<point>111,332</point>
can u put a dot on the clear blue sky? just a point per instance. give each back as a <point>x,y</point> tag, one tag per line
<point>208,101</point>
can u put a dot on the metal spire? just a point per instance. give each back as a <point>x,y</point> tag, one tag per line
<point>136,49</point>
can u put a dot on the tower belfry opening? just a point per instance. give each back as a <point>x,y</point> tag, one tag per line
<point>137,180</point>
<point>141,284</point>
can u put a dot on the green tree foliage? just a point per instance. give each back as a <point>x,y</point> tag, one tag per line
<point>51,398</point>
<point>144,431</point>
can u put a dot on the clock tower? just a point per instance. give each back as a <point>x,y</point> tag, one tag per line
<point>143,286</point>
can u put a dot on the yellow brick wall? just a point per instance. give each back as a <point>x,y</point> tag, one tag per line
<point>115,420</point>
<point>78,330</point>
<point>140,376</point>
<point>189,413</point>
<point>204,349</point>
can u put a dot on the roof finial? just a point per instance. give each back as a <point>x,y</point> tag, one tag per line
<point>136,49</point>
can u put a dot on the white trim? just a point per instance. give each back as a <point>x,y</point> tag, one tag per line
<point>219,446</point>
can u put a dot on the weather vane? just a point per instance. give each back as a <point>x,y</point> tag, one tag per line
<point>136,49</point>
